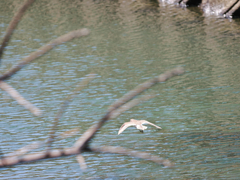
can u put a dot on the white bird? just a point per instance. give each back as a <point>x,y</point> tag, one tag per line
<point>137,123</point>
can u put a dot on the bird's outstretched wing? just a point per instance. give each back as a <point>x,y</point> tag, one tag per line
<point>125,126</point>
<point>146,122</point>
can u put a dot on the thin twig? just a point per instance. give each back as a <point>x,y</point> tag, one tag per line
<point>129,152</point>
<point>38,144</point>
<point>44,49</point>
<point>65,105</point>
<point>13,24</point>
<point>15,95</point>
<point>81,162</point>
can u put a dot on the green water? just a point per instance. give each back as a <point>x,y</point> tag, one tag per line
<point>129,43</point>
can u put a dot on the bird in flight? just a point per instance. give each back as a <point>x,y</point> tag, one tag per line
<point>137,123</point>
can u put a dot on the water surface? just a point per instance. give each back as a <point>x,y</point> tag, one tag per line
<point>129,43</point>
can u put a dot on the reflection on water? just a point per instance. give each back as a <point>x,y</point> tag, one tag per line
<point>129,43</point>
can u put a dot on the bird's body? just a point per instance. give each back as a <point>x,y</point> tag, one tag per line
<point>137,123</point>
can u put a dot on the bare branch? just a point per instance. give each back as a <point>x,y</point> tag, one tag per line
<point>81,145</point>
<point>65,104</point>
<point>44,49</point>
<point>54,153</point>
<point>136,154</point>
<point>146,85</point>
<point>82,142</point>
<point>13,24</point>
<point>15,95</point>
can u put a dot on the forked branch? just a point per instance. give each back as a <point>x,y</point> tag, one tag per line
<point>82,144</point>
<point>41,51</point>
<point>44,49</point>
